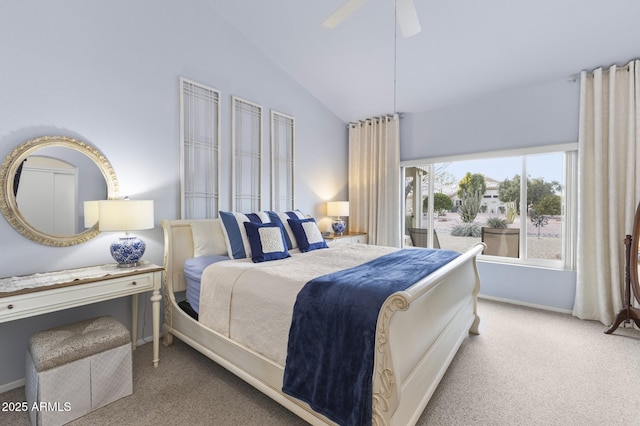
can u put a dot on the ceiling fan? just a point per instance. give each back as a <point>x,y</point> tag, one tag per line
<point>406,16</point>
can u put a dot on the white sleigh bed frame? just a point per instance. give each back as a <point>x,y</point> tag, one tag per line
<point>418,333</point>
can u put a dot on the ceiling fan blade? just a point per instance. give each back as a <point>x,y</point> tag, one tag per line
<point>342,13</point>
<point>407,18</point>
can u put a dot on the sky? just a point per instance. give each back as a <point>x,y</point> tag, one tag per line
<point>548,166</point>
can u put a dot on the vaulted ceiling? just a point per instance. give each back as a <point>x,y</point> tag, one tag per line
<point>466,49</point>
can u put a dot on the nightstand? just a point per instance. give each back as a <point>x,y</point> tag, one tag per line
<point>346,238</point>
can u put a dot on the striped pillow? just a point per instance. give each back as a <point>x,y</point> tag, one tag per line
<point>283,219</point>
<point>235,234</point>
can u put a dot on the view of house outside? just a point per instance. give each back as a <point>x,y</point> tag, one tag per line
<point>474,194</point>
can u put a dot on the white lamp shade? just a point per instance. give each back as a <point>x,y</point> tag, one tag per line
<point>125,215</point>
<point>91,213</point>
<point>338,208</point>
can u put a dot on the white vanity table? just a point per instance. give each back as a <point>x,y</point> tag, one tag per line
<point>37,294</point>
<point>27,296</point>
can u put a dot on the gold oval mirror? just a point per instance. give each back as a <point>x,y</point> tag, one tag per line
<point>43,184</point>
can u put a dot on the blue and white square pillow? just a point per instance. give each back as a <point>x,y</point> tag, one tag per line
<point>235,234</point>
<point>307,234</point>
<point>266,241</point>
<point>282,218</point>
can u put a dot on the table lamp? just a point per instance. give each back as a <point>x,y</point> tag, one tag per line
<point>126,215</point>
<point>338,209</point>
<point>91,213</point>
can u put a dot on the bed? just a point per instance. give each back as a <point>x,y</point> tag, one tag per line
<point>417,333</point>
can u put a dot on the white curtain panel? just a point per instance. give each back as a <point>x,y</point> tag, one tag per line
<point>374,179</point>
<point>609,186</point>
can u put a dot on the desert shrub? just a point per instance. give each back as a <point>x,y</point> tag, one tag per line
<point>441,203</point>
<point>496,222</point>
<point>466,230</point>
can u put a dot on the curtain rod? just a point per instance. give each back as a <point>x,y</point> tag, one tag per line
<point>354,123</point>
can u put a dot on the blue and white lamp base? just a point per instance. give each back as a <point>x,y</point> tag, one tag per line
<point>127,251</point>
<point>338,226</point>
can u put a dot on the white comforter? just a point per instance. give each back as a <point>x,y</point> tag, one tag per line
<point>252,303</point>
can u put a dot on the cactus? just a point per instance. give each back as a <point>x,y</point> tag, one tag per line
<point>511,211</point>
<point>470,206</point>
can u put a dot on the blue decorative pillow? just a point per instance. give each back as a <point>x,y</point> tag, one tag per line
<point>282,218</point>
<point>267,241</point>
<point>235,234</point>
<point>307,234</point>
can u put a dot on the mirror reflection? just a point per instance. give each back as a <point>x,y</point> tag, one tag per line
<point>44,184</point>
<point>51,186</point>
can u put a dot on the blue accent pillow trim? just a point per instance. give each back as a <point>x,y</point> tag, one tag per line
<point>235,234</point>
<point>258,244</point>
<point>254,217</point>
<point>294,214</point>
<point>308,237</point>
<point>234,238</point>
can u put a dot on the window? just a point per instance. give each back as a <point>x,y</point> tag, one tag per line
<point>484,198</point>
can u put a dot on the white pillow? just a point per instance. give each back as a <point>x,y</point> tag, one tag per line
<point>208,238</point>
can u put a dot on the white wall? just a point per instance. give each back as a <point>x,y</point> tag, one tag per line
<point>106,72</point>
<point>543,114</point>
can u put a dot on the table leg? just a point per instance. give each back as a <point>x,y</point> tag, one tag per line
<point>156,298</point>
<point>134,321</point>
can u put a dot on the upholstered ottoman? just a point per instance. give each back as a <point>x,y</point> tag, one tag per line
<point>77,368</point>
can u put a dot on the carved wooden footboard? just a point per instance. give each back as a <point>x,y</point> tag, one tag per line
<point>418,333</point>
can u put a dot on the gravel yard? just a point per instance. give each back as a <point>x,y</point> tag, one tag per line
<point>548,246</point>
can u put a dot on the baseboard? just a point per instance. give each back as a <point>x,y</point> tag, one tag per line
<point>11,386</point>
<point>144,340</point>
<point>528,305</point>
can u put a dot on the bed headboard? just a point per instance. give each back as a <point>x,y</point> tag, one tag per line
<point>180,245</point>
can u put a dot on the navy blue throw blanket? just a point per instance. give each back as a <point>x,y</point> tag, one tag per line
<point>332,336</point>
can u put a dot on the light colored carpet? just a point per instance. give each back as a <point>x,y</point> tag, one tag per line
<point>528,367</point>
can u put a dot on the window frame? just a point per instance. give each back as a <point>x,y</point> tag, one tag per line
<point>570,178</point>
